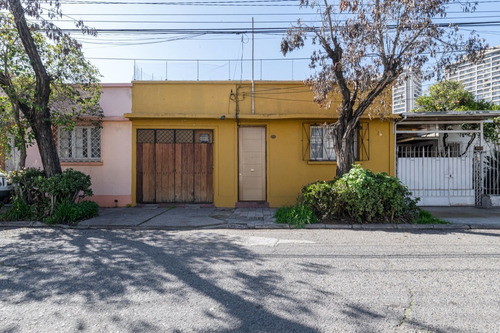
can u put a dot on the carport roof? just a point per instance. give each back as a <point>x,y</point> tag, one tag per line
<point>449,115</point>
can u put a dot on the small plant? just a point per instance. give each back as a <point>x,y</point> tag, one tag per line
<point>19,211</point>
<point>68,212</point>
<point>298,215</point>
<point>424,217</point>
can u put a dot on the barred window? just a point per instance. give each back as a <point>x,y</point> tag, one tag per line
<point>82,144</point>
<point>321,144</point>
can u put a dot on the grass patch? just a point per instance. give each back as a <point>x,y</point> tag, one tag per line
<point>424,217</point>
<point>298,215</point>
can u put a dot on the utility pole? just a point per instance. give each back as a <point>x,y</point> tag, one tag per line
<point>253,68</point>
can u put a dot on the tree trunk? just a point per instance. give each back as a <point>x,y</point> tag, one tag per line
<point>38,114</point>
<point>45,140</point>
<point>22,158</point>
<point>20,139</point>
<point>344,135</point>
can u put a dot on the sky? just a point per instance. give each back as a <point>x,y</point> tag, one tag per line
<point>191,51</point>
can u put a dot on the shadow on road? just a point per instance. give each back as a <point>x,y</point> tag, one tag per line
<point>105,266</point>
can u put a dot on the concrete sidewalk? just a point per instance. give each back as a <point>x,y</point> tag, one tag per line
<point>467,215</point>
<point>197,217</point>
<point>187,217</point>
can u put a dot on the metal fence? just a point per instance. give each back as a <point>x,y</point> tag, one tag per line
<point>439,177</point>
<point>491,167</point>
<point>226,69</point>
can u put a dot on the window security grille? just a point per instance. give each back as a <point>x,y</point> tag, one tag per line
<point>174,136</point>
<point>82,144</point>
<point>321,144</point>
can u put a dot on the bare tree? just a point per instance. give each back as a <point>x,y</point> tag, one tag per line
<point>37,110</point>
<point>365,45</point>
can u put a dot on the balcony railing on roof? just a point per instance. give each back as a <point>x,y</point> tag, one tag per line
<point>223,69</point>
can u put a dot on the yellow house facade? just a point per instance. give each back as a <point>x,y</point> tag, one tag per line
<point>227,143</point>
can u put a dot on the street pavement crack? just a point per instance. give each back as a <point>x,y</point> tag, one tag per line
<point>408,311</point>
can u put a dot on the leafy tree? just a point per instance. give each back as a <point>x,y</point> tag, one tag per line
<point>451,95</point>
<point>46,79</point>
<point>364,46</point>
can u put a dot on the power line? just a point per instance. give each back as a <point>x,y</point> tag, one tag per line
<point>169,3</point>
<point>197,3</point>
<point>369,55</point>
<point>238,30</point>
<point>241,14</point>
<point>239,22</point>
<point>197,14</point>
<point>194,60</point>
<point>243,3</point>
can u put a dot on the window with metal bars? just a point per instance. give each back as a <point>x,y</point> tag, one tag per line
<point>82,144</point>
<point>322,144</point>
<point>318,143</point>
<point>174,136</point>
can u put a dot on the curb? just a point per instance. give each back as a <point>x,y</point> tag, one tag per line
<point>405,227</point>
<point>275,226</point>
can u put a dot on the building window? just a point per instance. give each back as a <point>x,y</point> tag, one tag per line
<point>321,144</point>
<point>317,142</point>
<point>82,144</point>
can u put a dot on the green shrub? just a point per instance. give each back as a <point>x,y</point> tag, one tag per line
<point>27,184</point>
<point>361,196</point>
<point>70,185</point>
<point>370,197</point>
<point>322,199</point>
<point>68,212</point>
<point>18,211</point>
<point>50,199</point>
<point>298,215</point>
<point>424,217</point>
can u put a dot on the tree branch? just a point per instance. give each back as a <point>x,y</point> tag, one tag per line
<point>381,47</point>
<point>42,78</point>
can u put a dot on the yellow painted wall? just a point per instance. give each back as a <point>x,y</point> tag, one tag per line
<point>273,99</point>
<point>200,105</point>
<point>288,172</point>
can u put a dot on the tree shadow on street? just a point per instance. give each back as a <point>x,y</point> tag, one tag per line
<point>94,267</point>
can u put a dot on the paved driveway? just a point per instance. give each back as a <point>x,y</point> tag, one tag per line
<point>468,215</point>
<point>188,217</point>
<point>54,280</point>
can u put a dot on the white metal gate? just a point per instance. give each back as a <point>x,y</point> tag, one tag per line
<point>445,180</point>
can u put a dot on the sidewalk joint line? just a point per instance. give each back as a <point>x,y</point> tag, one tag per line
<point>152,217</point>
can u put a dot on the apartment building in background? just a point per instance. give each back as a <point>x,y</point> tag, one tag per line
<point>405,92</point>
<point>482,79</point>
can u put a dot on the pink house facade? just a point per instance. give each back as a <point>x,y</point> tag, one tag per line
<point>104,154</point>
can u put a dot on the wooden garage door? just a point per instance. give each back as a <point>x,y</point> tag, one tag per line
<point>174,166</point>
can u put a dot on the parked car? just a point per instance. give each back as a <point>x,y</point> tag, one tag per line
<point>5,188</point>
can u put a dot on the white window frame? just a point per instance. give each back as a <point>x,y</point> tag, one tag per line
<point>321,143</point>
<point>76,145</point>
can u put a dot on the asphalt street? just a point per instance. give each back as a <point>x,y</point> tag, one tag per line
<point>64,280</point>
